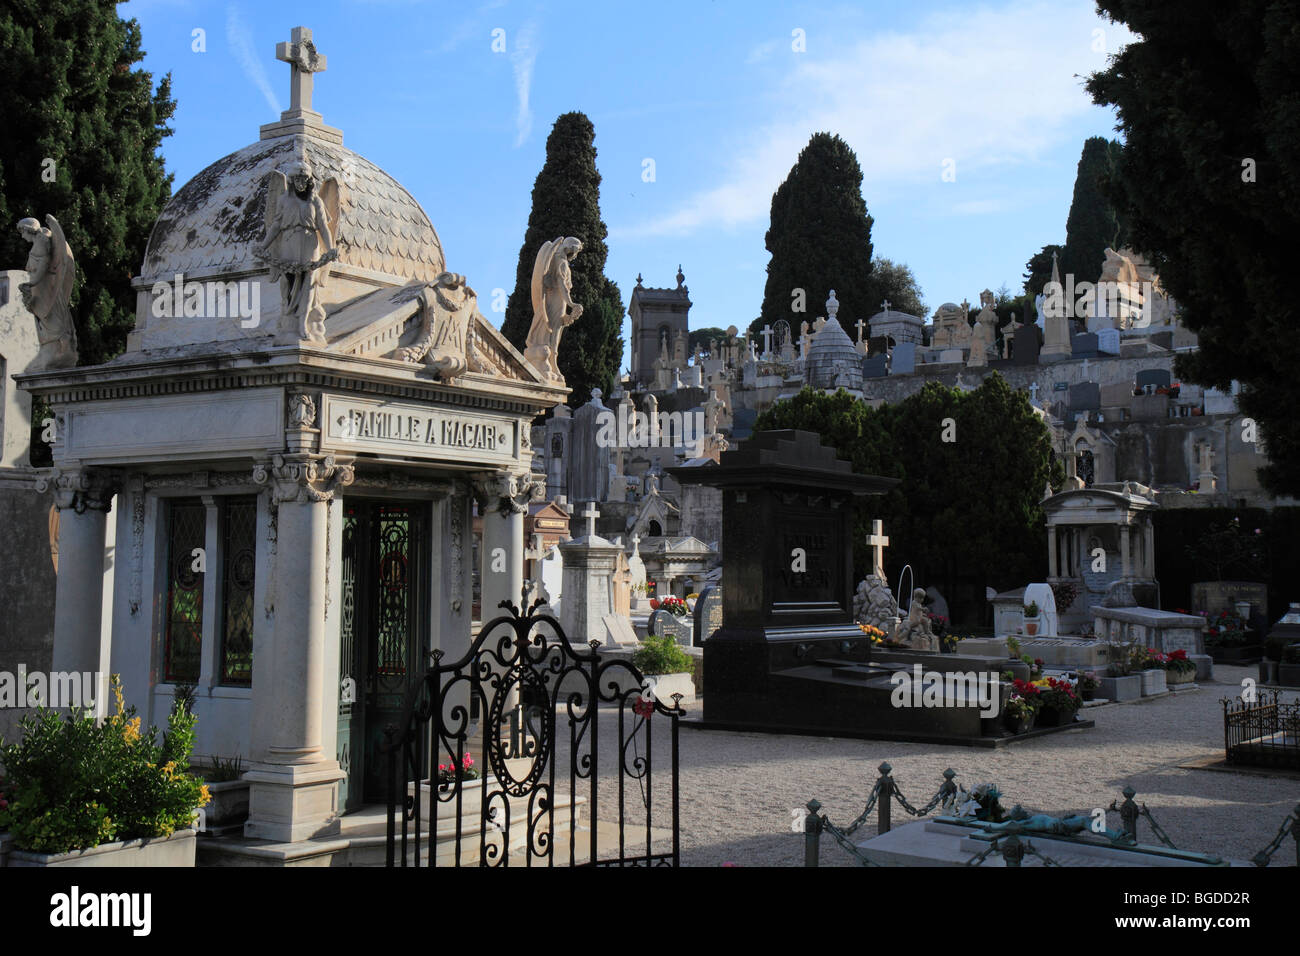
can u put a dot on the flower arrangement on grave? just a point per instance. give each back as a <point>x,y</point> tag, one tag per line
<point>673,605</point>
<point>1064,593</point>
<point>980,802</point>
<point>1031,609</point>
<point>1227,630</point>
<point>1035,665</point>
<point>938,624</point>
<point>1058,695</point>
<point>876,634</point>
<point>1089,684</point>
<point>662,655</point>
<point>453,770</point>
<point>1178,669</point>
<point>1020,708</point>
<point>950,642</point>
<point>74,782</point>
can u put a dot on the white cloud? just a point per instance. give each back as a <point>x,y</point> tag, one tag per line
<point>762,51</point>
<point>522,58</point>
<point>241,44</point>
<point>987,88</point>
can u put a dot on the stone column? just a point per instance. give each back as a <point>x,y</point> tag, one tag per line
<point>1051,552</point>
<point>1125,552</point>
<point>294,792</point>
<point>84,499</point>
<point>1149,552</point>
<point>503,502</point>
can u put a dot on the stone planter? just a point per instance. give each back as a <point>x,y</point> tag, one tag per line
<point>1184,676</point>
<point>1153,682</point>
<point>227,810</point>
<point>1018,726</point>
<point>175,850</point>
<point>668,684</point>
<point>1121,688</point>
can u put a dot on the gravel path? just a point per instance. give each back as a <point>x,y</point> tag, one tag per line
<point>738,790</point>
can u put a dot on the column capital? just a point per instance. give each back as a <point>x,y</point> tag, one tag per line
<point>507,493</point>
<point>80,489</point>
<point>303,477</point>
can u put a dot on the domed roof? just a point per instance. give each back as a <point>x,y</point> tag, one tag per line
<point>830,354</point>
<point>213,223</point>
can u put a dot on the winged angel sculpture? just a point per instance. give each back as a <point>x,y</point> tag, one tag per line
<point>301,226</point>
<point>51,272</point>
<point>553,305</point>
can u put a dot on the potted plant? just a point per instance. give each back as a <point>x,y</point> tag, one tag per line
<point>1058,702</point>
<point>1031,618</point>
<point>86,792</point>
<point>1020,670</point>
<point>673,605</point>
<point>1088,684</point>
<point>668,667</point>
<point>1178,669</point>
<point>1150,665</point>
<point>1227,638</point>
<point>1018,713</point>
<point>453,770</point>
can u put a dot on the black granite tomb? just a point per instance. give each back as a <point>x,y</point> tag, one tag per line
<point>788,657</point>
<point>1026,345</point>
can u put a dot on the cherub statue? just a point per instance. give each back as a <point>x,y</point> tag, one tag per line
<point>51,272</point>
<point>553,305</point>
<point>916,632</point>
<point>301,225</point>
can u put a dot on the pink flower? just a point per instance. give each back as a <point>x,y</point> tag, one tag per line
<point>3,803</point>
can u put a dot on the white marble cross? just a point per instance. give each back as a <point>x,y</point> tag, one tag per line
<point>1033,393</point>
<point>886,304</point>
<point>636,544</point>
<point>300,53</point>
<point>878,542</point>
<point>767,340</point>
<point>860,325</point>
<point>591,514</point>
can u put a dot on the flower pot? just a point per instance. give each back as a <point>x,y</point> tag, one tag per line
<point>1153,682</point>
<point>227,810</point>
<point>1180,676</point>
<point>174,850</point>
<point>1031,626</point>
<point>1019,725</point>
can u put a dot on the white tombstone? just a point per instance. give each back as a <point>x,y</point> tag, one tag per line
<point>1041,594</point>
<point>552,577</point>
<point>1108,341</point>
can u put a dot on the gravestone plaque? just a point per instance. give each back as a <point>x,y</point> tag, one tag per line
<point>1084,345</point>
<point>666,623</point>
<point>874,367</point>
<point>1153,377</point>
<point>903,359</point>
<point>708,614</point>
<point>1026,345</point>
<point>1108,341</point>
<point>1086,396</point>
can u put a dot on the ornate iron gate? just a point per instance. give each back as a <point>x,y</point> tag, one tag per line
<point>527,700</point>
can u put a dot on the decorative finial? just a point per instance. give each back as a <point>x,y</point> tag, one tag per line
<point>832,305</point>
<point>681,279</point>
<point>638,280</point>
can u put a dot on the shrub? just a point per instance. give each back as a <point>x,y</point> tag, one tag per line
<point>662,655</point>
<point>76,782</point>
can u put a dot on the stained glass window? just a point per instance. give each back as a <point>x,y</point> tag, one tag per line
<point>238,565</point>
<point>183,642</point>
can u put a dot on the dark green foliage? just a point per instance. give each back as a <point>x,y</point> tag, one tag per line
<point>893,281</point>
<point>819,238</point>
<point>1205,96</point>
<point>1092,224</point>
<point>701,337</point>
<point>966,514</point>
<point>662,655</point>
<point>1038,270</point>
<point>71,96</point>
<point>566,202</point>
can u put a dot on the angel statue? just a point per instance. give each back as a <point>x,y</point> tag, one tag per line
<point>553,305</point>
<point>301,223</point>
<point>51,272</point>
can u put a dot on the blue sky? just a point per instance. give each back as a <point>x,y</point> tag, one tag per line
<point>716,94</point>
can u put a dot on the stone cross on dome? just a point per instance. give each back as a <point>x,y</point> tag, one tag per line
<point>301,54</point>
<point>885,305</point>
<point>878,542</point>
<point>860,325</point>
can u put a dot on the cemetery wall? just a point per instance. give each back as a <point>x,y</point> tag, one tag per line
<point>26,584</point>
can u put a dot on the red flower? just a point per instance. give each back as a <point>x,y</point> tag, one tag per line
<point>643,707</point>
<point>1178,655</point>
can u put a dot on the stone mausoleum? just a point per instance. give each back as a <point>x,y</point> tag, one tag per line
<point>287,455</point>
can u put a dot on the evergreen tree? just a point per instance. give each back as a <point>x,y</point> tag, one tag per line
<point>962,520</point>
<point>1206,183</point>
<point>819,238</point>
<point>566,202</point>
<point>1038,270</point>
<point>1092,224</point>
<point>894,281</point>
<point>81,141</point>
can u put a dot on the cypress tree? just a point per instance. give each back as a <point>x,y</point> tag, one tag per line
<point>1091,225</point>
<point>566,202</point>
<point>819,238</point>
<point>81,141</point>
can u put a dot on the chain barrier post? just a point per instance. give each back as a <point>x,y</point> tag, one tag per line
<point>812,835</point>
<point>886,785</point>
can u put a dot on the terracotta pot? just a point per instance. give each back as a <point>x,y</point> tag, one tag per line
<point>1031,626</point>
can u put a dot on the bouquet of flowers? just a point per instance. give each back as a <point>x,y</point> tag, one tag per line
<point>876,634</point>
<point>673,605</point>
<point>1226,630</point>
<point>980,802</point>
<point>1019,707</point>
<point>1058,695</point>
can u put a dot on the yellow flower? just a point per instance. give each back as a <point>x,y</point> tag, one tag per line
<point>204,796</point>
<point>131,732</point>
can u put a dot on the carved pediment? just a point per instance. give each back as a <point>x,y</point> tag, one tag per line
<point>422,323</point>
